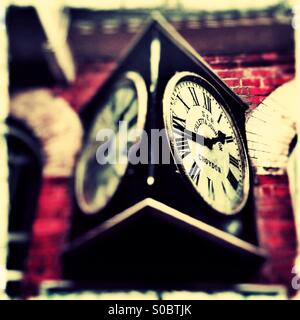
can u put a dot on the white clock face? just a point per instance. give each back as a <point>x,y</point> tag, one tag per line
<point>95,184</point>
<point>206,143</point>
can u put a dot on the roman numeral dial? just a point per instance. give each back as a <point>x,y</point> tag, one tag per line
<point>206,140</point>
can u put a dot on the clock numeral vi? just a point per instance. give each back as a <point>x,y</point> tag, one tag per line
<point>195,173</point>
<point>211,190</point>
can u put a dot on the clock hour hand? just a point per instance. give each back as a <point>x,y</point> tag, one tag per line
<point>204,141</point>
<point>221,137</point>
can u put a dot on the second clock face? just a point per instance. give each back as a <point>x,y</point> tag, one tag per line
<point>206,142</point>
<point>96,183</point>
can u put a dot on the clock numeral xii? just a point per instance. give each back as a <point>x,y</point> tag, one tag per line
<point>194,96</point>
<point>207,102</point>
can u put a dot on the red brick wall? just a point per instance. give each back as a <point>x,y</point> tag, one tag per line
<point>49,232</point>
<point>252,77</point>
<point>276,227</point>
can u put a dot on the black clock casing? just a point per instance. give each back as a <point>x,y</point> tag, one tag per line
<point>133,186</point>
<point>176,57</point>
<point>145,217</point>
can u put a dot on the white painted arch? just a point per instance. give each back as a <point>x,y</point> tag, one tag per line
<point>270,128</point>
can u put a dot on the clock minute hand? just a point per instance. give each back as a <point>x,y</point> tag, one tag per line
<point>203,141</point>
<point>125,110</point>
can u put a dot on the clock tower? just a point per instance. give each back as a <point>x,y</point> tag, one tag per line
<point>155,224</point>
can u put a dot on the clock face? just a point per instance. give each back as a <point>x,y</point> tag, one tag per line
<point>206,143</point>
<point>96,183</point>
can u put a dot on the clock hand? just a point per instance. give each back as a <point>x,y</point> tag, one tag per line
<point>122,115</point>
<point>203,141</point>
<point>221,137</point>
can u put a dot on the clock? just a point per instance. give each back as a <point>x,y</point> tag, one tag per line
<point>206,143</point>
<point>97,179</point>
<point>201,202</point>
